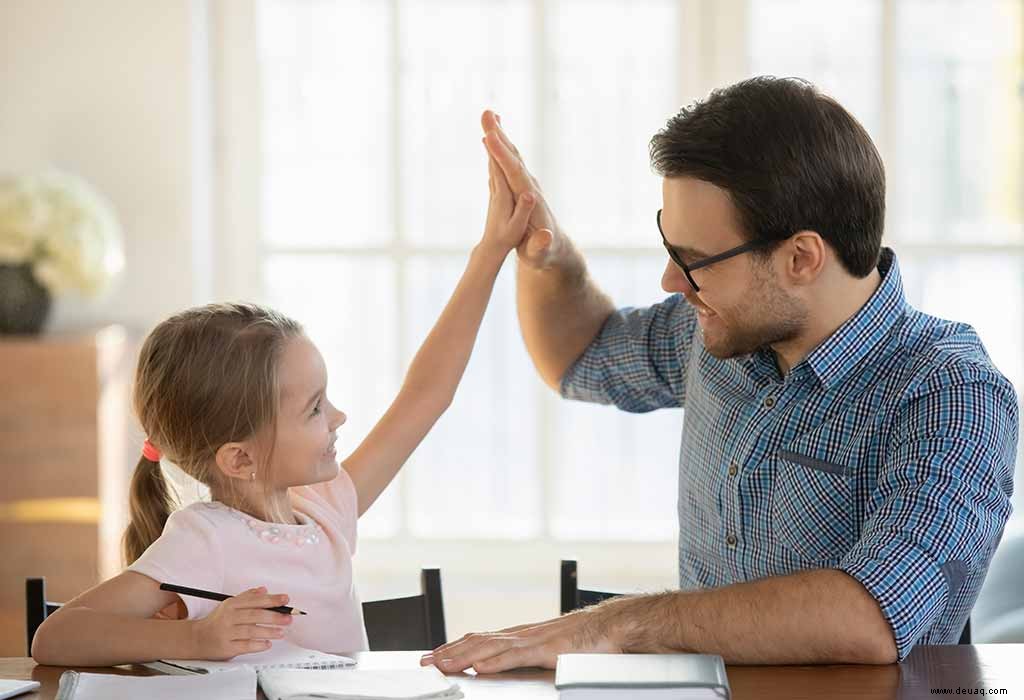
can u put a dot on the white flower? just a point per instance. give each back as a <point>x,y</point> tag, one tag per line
<point>21,215</point>
<point>61,226</point>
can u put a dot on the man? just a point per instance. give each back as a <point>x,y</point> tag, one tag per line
<point>846,463</point>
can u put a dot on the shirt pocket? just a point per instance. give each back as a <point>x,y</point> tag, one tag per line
<point>812,512</point>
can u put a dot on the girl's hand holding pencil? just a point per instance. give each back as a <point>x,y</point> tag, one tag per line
<point>241,624</point>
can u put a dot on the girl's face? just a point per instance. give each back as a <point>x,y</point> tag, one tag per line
<point>306,422</point>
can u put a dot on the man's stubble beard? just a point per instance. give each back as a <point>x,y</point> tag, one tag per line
<point>776,318</point>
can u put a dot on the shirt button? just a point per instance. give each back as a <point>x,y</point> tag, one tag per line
<point>733,469</point>
<point>769,402</point>
<point>731,541</point>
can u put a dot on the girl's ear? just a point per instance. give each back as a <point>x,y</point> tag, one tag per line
<point>235,460</point>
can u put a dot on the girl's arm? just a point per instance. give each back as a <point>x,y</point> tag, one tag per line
<point>113,624</point>
<point>435,372</point>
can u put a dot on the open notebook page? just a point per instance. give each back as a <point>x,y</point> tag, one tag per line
<point>283,654</point>
<point>239,684</point>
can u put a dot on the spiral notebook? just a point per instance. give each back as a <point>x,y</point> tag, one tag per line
<point>283,654</point>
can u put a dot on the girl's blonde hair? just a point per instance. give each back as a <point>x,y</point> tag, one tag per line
<point>206,376</point>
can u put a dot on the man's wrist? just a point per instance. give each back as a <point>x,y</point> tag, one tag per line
<point>645,624</point>
<point>613,621</point>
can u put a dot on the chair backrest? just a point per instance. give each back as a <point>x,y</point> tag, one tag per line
<point>398,624</point>
<point>37,607</point>
<point>408,624</point>
<point>573,597</point>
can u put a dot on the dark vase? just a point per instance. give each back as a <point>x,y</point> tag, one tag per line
<point>24,303</point>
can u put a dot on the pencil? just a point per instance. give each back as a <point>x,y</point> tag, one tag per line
<point>210,595</point>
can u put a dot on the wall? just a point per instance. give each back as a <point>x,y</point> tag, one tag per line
<point>103,89</point>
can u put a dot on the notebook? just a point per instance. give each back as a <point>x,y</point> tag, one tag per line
<point>641,676</point>
<point>239,684</point>
<point>283,654</point>
<point>393,684</point>
<point>9,688</point>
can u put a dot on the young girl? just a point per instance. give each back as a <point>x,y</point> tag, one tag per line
<point>235,395</point>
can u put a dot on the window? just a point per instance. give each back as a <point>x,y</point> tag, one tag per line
<point>354,125</point>
<point>374,190</point>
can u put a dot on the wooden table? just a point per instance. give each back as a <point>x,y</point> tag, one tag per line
<point>988,666</point>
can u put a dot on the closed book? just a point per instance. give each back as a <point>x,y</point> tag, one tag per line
<point>641,676</point>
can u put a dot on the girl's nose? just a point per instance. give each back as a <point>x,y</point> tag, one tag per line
<point>338,417</point>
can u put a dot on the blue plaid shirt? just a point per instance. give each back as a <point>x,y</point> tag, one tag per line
<point>887,453</point>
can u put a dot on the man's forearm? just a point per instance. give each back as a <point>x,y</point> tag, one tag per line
<point>820,616</point>
<point>560,311</point>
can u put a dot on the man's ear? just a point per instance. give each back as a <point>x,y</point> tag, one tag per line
<point>806,257</point>
<point>235,460</point>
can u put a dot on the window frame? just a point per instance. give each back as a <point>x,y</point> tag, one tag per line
<point>714,44</point>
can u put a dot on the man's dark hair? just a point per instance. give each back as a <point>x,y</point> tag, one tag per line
<point>790,157</point>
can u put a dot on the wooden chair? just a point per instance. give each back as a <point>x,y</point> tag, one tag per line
<point>574,598</point>
<point>396,624</point>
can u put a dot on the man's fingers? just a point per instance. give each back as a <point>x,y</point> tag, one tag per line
<point>516,657</point>
<point>508,142</point>
<point>445,649</point>
<point>536,248</point>
<point>461,647</point>
<point>489,121</point>
<point>471,655</point>
<point>518,178</point>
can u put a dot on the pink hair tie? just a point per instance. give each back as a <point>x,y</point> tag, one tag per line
<point>150,452</point>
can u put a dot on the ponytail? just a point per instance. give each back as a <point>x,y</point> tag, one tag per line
<point>150,503</point>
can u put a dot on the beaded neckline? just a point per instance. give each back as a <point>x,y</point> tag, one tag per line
<point>305,533</point>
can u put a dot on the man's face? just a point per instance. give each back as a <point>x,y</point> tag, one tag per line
<point>741,305</point>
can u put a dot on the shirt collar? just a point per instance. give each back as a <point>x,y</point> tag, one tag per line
<point>863,332</point>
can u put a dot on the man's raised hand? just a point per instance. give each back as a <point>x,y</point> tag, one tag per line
<point>541,245</point>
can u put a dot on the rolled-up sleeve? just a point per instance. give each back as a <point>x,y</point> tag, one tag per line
<point>638,360</point>
<point>942,499</point>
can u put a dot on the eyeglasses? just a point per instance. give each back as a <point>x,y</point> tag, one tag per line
<point>710,260</point>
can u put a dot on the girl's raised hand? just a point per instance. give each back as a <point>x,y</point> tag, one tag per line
<point>507,217</point>
<point>241,625</point>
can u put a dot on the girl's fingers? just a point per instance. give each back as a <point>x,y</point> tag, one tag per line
<point>250,646</point>
<point>521,215</point>
<point>499,184</point>
<point>260,616</point>
<point>260,600</point>
<point>241,632</point>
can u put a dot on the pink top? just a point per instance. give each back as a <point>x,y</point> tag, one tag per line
<point>217,548</point>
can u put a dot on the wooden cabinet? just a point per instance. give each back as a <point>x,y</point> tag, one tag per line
<point>63,467</point>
